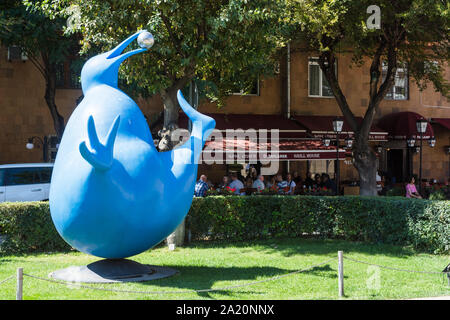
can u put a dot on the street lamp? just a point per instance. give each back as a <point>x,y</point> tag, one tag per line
<point>421,125</point>
<point>41,142</point>
<point>411,142</point>
<point>379,149</point>
<point>326,141</point>
<point>348,142</point>
<point>337,127</point>
<point>432,142</point>
<point>412,149</point>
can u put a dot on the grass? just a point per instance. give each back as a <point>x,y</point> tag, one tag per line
<point>204,265</point>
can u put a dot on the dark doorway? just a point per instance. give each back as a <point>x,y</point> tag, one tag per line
<point>395,165</point>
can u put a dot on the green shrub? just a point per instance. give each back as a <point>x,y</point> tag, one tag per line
<point>424,224</point>
<point>28,227</point>
<point>396,191</point>
<point>437,195</point>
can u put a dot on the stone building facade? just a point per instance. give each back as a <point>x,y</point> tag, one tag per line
<point>24,113</point>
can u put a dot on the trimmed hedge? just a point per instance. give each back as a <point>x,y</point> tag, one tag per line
<point>28,227</point>
<point>424,224</point>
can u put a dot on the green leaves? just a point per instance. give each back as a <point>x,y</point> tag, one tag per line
<point>418,30</point>
<point>26,24</point>
<point>217,41</point>
<point>28,227</point>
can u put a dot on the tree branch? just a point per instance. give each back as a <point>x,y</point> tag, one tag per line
<point>36,63</point>
<point>376,96</point>
<point>176,41</point>
<point>375,68</point>
<point>327,62</point>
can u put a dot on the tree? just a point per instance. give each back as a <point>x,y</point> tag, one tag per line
<point>414,32</point>
<point>41,38</point>
<point>227,42</point>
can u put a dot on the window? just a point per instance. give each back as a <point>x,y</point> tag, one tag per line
<point>68,75</point>
<point>276,67</point>
<point>19,176</point>
<point>430,67</point>
<point>254,90</point>
<point>53,145</point>
<point>317,83</point>
<point>399,90</point>
<point>15,53</point>
<point>45,174</point>
<point>60,81</point>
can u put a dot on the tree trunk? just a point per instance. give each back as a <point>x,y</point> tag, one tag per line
<point>364,158</point>
<point>50,92</point>
<point>365,161</point>
<point>171,107</point>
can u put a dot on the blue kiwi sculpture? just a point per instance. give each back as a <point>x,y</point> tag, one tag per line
<point>112,194</point>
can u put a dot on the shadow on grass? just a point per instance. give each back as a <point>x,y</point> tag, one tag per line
<point>323,271</point>
<point>299,246</point>
<point>188,278</point>
<point>286,246</point>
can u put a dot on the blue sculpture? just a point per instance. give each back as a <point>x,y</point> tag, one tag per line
<point>112,194</point>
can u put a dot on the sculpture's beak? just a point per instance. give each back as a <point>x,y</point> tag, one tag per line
<point>116,53</point>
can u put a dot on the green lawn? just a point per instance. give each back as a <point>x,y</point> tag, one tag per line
<point>205,265</point>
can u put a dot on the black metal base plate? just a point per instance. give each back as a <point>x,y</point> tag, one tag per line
<point>112,271</point>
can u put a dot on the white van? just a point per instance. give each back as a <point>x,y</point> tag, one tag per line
<point>25,181</point>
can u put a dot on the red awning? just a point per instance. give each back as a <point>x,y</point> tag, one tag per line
<point>322,126</point>
<point>293,142</point>
<point>402,125</point>
<point>238,149</point>
<point>445,122</point>
<point>288,129</point>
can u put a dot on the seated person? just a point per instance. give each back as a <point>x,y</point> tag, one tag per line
<point>248,186</point>
<point>309,182</point>
<point>201,187</point>
<point>236,184</point>
<point>317,181</point>
<point>290,183</point>
<point>225,182</point>
<point>281,184</point>
<point>328,183</point>
<point>259,183</point>
<point>411,191</point>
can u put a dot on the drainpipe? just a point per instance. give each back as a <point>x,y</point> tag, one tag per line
<point>288,90</point>
<point>288,81</point>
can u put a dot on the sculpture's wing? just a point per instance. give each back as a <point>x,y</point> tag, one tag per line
<point>99,156</point>
<point>189,152</point>
<point>202,125</point>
